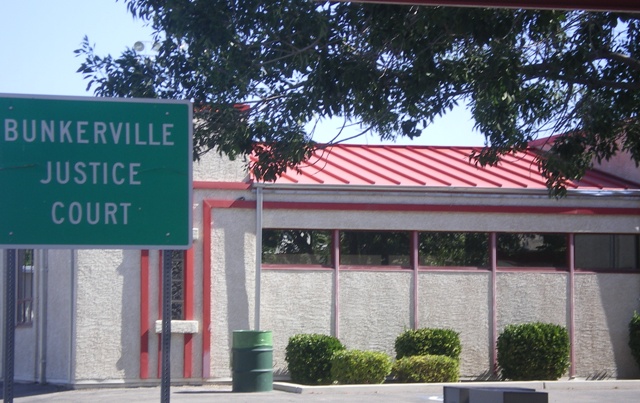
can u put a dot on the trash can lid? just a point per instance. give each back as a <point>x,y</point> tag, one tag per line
<point>252,338</point>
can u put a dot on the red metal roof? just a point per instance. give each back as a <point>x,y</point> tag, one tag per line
<point>430,166</point>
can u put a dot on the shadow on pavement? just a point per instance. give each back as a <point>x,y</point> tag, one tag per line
<point>32,389</point>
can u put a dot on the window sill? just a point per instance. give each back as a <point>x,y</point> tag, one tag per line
<point>180,326</point>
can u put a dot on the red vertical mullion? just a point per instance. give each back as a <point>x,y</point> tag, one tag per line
<point>188,312</point>
<point>415,264</point>
<point>144,314</point>
<point>206,288</point>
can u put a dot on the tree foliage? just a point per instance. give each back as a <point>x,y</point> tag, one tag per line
<point>392,69</point>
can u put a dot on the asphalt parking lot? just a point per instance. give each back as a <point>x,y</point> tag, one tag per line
<point>558,392</point>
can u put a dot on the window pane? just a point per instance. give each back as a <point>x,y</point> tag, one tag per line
<point>606,251</point>
<point>532,250</point>
<point>177,284</point>
<point>370,248</point>
<point>454,249</point>
<point>296,246</point>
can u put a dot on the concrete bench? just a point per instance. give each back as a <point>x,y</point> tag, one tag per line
<point>461,394</point>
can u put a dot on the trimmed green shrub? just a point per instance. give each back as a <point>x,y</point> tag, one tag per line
<point>533,351</point>
<point>356,366</point>
<point>427,341</point>
<point>426,368</point>
<point>308,357</point>
<point>634,337</point>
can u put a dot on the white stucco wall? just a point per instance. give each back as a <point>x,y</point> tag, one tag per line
<point>461,302</point>
<point>375,307</point>
<point>604,306</point>
<point>213,167</point>
<point>232,284</point>
<point>60,316</point>
<point>107,315</point>
<point>295,302</point>
<point>532,297</point>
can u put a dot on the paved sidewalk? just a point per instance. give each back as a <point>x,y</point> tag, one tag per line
<point>558,392</point>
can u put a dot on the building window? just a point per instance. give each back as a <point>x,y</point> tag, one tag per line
<point>296,247</point>
<point>607,251</point>
<point>374,248</point>
<point>24,287</point>
<point>177,284</point>
<point>453,249</point>
<point>531,250</point>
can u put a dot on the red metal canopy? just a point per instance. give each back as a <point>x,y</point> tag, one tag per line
<point>590,5</point>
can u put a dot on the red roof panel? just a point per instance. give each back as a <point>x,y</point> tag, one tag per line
<point>430,166</point>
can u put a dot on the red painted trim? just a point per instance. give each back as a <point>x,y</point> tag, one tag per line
<point>548,270</point>
<point>144,314</point>
<point>221,185</point>
<point>223,203</point>
<point>207,223</point>
<point>445,208</point>
<point>464,269</point>
<point>374,268</point>
<point>189,284</point>
<point>425,208</point>
<point>594,5</point>
<point>311,267</point>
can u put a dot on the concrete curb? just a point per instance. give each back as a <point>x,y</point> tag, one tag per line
<point>437,387</point>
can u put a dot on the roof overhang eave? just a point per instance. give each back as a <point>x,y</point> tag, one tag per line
<point>292,187</point>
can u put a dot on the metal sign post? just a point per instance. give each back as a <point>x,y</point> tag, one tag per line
<point>9,325</point>
<point>165,388</point>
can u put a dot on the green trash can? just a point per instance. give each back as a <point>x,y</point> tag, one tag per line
<point>252,361</point>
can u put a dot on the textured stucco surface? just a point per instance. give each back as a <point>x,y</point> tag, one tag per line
<point>375,307</point>
<point>107,328</point>
<point>60,316</point>
<point>462,302</point>
<point>213,167</point>
<point>232,283</point>
<point>295,302</point>
<point>425,221</point>
<point>532,297</point>
<point>604,306</point>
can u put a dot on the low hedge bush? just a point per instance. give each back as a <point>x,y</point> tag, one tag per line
<point>308,358</point>
<point>533,351</point>
<point>427,341</point>
<point>357,366</point>
<point>426,368</point>
<point>634,337</point>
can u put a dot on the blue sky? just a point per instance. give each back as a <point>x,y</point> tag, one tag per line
<point>38,37</point>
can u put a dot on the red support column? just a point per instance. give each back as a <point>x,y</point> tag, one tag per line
<point>144,314</point>
<point>188,313</point>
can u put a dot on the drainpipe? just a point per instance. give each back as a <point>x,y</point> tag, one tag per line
<point>259,203</point>
<point>572,306</point>
<point>494,301</point>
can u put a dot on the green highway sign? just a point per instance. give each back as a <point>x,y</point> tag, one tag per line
<point>80,172</point>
